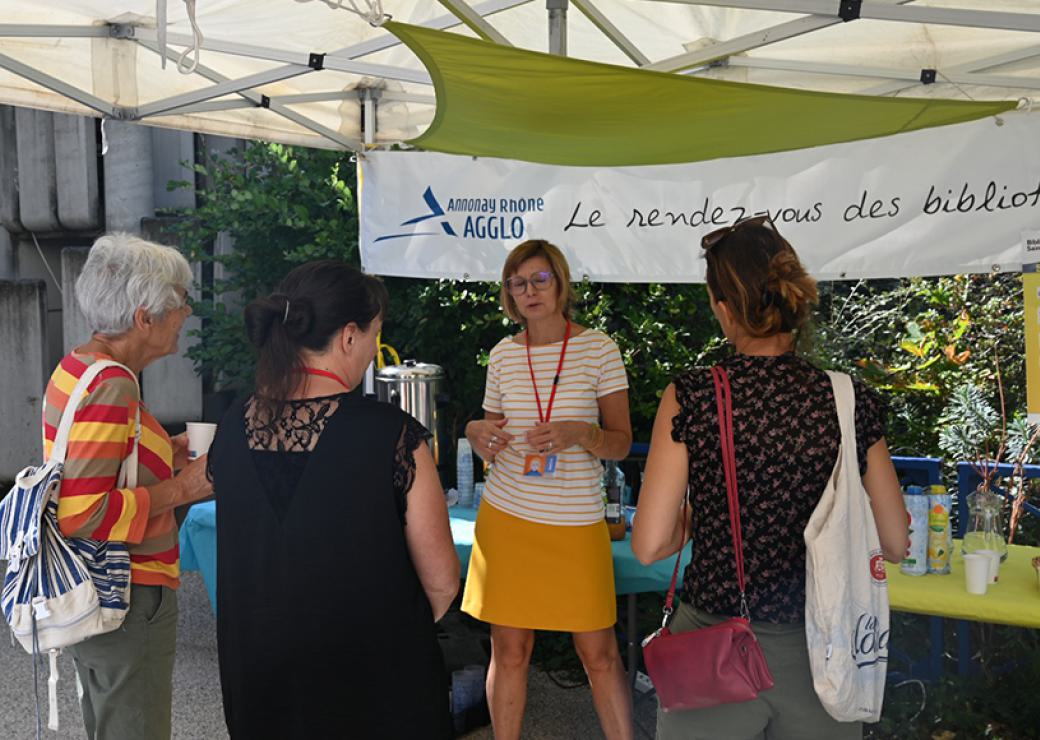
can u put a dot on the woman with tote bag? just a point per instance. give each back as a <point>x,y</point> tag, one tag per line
<point>786,440</point>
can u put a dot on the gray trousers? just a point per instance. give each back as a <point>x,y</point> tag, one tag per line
<point>788,711</point>
<point>127,674</point>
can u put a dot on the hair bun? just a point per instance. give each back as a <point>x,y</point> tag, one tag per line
<point>297,316</point>
<point>266,315</point>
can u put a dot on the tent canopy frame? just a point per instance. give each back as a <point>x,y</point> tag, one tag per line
<point>223,93</point>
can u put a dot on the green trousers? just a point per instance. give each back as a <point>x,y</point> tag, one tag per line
<point>127,674</point>
<point>788,711</point>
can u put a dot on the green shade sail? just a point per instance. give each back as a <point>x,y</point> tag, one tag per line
<point>499,101</point>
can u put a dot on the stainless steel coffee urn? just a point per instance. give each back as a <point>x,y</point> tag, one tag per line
<point>414,386</point>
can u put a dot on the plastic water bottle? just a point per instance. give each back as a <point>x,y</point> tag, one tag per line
<point>613,485</point>
<point>915,563</point>
<point>940,536</point>
<point>464,472</point>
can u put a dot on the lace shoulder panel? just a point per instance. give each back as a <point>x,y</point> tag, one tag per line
<point>295,428</point>
<point>412,435</point>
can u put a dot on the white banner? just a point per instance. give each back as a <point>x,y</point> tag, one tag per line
<point>945,200</point>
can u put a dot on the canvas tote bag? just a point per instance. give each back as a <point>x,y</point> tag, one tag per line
<point>846,591</point>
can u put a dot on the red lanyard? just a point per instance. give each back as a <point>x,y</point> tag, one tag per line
<point>556,378</point>
<point>322,373</point>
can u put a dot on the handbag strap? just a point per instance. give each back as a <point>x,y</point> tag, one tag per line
<point>724,404</point>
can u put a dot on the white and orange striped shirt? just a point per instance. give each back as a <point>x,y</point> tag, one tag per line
<point>592,369</point>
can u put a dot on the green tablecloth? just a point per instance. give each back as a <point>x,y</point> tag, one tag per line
<point>199,552</point>
<point>1014,599</point>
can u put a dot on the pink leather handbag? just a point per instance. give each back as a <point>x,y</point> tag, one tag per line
<point>723,663</point>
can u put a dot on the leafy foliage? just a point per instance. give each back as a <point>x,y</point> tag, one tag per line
<point>972,427</point>
<point>917,340</point>
<point>282,207</point>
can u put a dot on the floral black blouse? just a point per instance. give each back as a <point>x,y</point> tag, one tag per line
<point>786,437</point>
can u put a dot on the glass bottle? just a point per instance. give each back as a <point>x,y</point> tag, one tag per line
<point>613,484</point>
<point>985,530</point>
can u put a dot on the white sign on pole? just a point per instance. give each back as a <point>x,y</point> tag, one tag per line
<point>945,200</point>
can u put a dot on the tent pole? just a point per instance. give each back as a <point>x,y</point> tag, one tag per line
<point>612,32</point>
<point>557,26</point>
<point>853,70</point>
<point>475,20</point>
<point>885,11</point>
<point>62,88</point>
<point>284,111</point>
<point>170,105</point>
<point>976,65</point>
<point>369,101</point>
<point>747,42</point>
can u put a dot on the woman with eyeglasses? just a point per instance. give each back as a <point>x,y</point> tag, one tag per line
<point>786,439</point>
<point>556,402</point>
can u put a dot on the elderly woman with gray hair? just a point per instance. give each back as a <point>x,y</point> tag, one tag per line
<point>134,296</point>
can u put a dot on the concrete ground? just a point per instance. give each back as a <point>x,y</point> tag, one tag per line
<point>197,711</point>
<point>553,713</point>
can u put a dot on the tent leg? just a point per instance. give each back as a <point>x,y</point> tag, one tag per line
<point>557,26</point>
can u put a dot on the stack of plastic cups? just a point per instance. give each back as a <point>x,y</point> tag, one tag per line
<point>464,472</point>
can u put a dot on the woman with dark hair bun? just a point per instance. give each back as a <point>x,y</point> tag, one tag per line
<point>786,438</point>
<point>333,545</point>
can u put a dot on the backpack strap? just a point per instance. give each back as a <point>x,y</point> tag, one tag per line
<point>128,471</point>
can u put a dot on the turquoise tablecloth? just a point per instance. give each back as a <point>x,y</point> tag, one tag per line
<point>199,552</point>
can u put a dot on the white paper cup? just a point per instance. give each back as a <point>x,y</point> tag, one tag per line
<point>200,437</point>
<point>976,572</point>
<point>994,563</point>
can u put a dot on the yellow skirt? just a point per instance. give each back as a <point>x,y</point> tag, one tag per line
<point>540,576</point>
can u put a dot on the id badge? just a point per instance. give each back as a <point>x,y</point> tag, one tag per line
<point>540,466</point>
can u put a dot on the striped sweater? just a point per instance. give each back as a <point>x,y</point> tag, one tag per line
<point>89,504</point>
<point>591,370</point>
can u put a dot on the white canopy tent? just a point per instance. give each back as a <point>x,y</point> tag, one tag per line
<point>312,72</point>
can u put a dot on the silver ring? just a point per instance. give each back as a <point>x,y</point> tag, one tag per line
<point>493,442</point>
<point>550,445</point>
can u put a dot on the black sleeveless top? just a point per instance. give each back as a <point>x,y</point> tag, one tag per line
<point>323,627</point>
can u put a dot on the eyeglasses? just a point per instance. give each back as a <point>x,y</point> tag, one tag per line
<point>517,285</point>
<point>709,241</point>
<point>184,302</point>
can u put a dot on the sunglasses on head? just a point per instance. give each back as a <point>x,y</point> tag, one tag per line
<point>712,239</point>
<point>540,280</point>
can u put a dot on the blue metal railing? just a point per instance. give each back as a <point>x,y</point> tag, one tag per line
<point>968,480</point>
